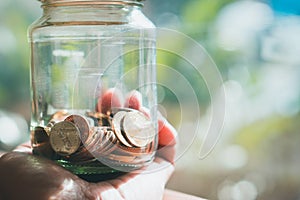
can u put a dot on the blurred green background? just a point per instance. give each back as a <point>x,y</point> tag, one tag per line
<point>254,44</point>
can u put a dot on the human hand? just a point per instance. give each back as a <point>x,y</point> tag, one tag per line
<point>24,176</point>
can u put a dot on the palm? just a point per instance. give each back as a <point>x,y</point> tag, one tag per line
<point>34,177</point>
<point>24,176</point>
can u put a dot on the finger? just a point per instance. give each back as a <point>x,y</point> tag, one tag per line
<point>134,100</point>
<point>147,184</point>
<point>174,195</point>
<point>150,184</point>
<point>25,148</point>
<point>145,111</point>
<point>111,98</point>
<point>167,152</point>
<point>167,139</point>
<point>104,191</point>
<point>166,133</point>
<point>2,153</point>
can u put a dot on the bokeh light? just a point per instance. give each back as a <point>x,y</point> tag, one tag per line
<point>254,44</point>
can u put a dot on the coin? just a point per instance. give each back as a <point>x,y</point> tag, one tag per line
<point>59,115</point>
<point>102,142</point>
<point>81,155</point>
<point>121,158</point>
<point>138,129</point>
<point>95,137</point>
<point>91,121</point>
<point>116,124</point>
<point>115,110</point>
<point>65,138</point>
<point>109,140</point>
<point>82,124</point>
<point>135,150</point>
<point>40,143</point>
<point>48,127</point>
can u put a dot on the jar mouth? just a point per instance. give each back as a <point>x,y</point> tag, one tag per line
<point>90,2</point>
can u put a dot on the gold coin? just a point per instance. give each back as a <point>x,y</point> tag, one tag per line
<point>121,158</point>
<point>110,140</point>
<point>95,140</point>
<point>64,138</point>
<point>117,127</point>
<point>82,124</point>
<point>138,129</point>
<point>135,150</point>
<point>95,137</point>
<point>102,142</point>
<point>81,155</point>
<point>59,115</point>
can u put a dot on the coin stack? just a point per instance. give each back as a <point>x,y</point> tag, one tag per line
<point>120,136</point>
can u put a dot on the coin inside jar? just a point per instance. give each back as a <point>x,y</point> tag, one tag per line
<point>101,141</point>
<point>47,128</point>
<point>40,143</point>
<point>138,129</point>
<point>116,122</point>
<point>82,124</point>
<point>65,138</point>
<point>59,115</point>
<point>115,110</point>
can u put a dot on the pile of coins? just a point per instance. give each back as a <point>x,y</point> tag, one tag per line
<point>122,136</point>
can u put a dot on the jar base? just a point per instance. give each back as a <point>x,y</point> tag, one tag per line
<point>94,171</point>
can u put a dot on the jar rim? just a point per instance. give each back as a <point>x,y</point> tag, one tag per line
<point>92,2</point>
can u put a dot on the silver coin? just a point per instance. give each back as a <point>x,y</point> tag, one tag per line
<point>64,138</point>
<point>117,127</point>
<point>81,123</point>
<point>138,129</point>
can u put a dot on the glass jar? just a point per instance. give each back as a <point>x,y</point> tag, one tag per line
<point>93,87</point>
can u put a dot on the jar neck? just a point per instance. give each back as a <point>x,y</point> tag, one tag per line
<point>89,12</point>
<point>50,3</point>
